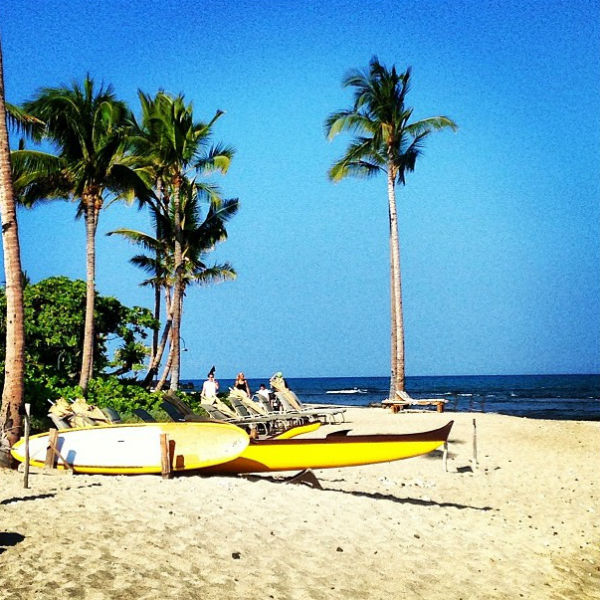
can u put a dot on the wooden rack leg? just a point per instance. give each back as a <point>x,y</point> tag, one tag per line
<point>51,450</point>
<point>166,463</point>
<point>52,453</point>
<point>445,456</point>
<point>27,427</point>
<point>474,461</point>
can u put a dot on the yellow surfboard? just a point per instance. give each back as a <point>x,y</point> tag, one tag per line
<point>333,451</point>
<point>135,448</point>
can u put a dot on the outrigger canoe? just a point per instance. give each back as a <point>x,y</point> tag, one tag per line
<point>330,452</point>
<point>135,448</point>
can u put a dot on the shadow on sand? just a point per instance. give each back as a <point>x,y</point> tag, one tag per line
<point>374,495</point>
<point>9,538</point>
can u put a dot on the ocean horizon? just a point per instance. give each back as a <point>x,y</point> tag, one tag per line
<point>565,397</point>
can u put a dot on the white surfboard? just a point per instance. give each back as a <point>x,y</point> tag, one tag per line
<point>135,448</point>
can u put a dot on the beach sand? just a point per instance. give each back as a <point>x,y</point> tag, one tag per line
<point>524,524</point>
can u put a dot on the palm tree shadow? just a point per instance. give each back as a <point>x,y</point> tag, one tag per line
<point>413,501</point>
<point>373,495</point>
<point>9,538</point>
<point>25,498</point>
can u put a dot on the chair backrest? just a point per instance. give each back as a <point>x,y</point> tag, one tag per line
<point>179,404</point>
<point>111,414</point>
<point>215,413</point>
<point>144,415</point>
<point>239,408</point>
<point>293,399</point>
<point>287,407</point>
<point>58,422</point>
<point>172,411</point>
<point>262,402</point>
<point>402,395</point>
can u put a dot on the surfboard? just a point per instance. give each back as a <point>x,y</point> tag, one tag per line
<point>135,448</point>
<point>333,451</point>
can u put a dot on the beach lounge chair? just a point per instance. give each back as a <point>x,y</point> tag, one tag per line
<point>181,415</point>
<point>245,412</point>
<point>218,404</point>
<point>144,415</point>
<point>217,415</point>
<point>181,412</point>
<point>111,415</point>
<point>293,405</point>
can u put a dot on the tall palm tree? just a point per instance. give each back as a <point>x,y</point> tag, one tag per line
<point>88,126</point>
<point>14,370</point>
<point>174,143</point>
<point>385,141</point>
<point>199,234</point>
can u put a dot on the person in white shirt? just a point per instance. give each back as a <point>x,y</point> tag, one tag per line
<point>210,387</point>
<point>265,395</point>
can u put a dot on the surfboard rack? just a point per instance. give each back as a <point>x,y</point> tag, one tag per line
<point>167,452</point>
<point>53,454</point>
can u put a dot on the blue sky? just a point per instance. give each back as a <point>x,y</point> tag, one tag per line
<point>499,224</point>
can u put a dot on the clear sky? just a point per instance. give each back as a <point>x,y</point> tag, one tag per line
<point>499,224</point>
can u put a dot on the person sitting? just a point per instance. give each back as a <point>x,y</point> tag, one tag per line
<point>265,395</point>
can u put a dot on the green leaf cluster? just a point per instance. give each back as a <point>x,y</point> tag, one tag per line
<point>54,325</point>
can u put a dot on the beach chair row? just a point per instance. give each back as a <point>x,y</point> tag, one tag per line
<point>253,414</point>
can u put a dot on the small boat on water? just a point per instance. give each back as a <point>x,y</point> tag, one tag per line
<point>354,390</point>
<point>330,452</point>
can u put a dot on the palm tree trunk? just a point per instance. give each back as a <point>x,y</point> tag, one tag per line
<point>177,291</point>
<point>156,315</point>
<point>397,321</point>
<point>91,222</point>
<point>157,286</point>
<point>167,369</point>
<point>155,363</point>
<point>14,369</point>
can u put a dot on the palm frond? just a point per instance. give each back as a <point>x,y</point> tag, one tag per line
<point>431,123</point>
<point>20,121</point>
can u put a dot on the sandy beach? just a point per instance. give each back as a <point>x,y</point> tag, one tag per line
<point>523,524</point>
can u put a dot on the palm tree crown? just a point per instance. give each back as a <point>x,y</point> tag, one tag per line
<point>173,144</point>
<point>88,126</point>
<point>386,139</point>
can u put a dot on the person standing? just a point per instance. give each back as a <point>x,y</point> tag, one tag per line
<point>241,383</point>
<point>211,386</point>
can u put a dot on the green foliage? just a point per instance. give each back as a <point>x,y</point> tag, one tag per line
<point>54,317</point>
<point>123,396</point>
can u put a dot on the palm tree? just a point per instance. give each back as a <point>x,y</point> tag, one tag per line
<point>199,235</point>
<point>88,127</point>
<point>173,143</point>
<point>12,394</point>
<point>385,141</point>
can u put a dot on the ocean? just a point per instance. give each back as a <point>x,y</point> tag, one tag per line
<point>569,397</point>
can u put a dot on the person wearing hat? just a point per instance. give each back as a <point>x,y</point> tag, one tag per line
<point>211,386</point>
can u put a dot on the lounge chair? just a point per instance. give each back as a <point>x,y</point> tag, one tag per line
<point>111,415</point>
<point>245,412</point>
<point>218,404</point>
<point>293,405</point>
<point>144,415</point>
<point>217,415</point>
<point>181,412</point>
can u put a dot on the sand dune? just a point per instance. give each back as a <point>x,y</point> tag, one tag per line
<point>523,524</point>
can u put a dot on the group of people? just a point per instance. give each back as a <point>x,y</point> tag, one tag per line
<point>211,386</point>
